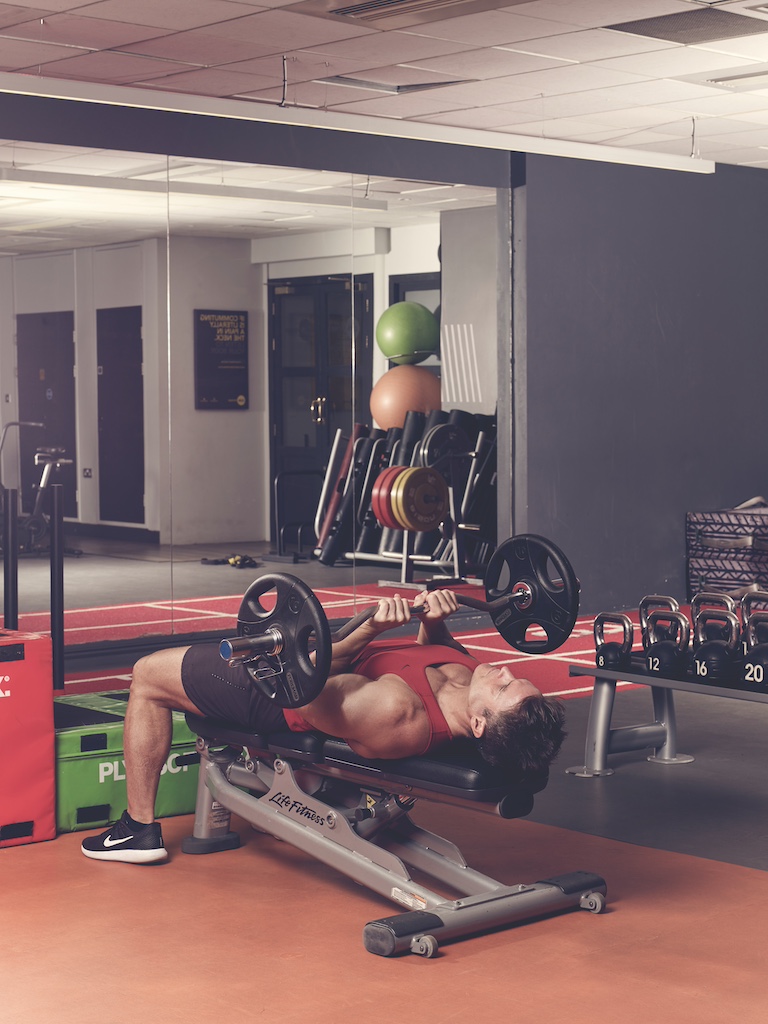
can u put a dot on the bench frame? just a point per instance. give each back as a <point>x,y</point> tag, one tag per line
<point>353,815</point>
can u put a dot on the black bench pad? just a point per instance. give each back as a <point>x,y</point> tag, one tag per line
<point>456,770</point>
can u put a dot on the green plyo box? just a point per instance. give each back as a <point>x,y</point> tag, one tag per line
<point>90,772</point>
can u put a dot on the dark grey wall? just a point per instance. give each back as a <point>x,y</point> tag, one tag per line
<point>646,339</point>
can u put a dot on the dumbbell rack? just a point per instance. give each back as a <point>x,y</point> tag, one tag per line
<point>660,734</point>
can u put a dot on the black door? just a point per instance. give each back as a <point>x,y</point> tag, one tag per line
<point>321,362</point>
<point>121,414</point>
<point>46,376</point>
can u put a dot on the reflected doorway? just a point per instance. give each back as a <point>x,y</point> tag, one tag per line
<point>318,348</point>
<point>46,380</point>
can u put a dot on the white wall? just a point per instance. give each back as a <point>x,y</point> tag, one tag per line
<point>220,458</point>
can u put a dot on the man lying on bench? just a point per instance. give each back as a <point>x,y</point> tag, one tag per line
<point>385,701</point>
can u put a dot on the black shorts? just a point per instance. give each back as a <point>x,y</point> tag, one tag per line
<point>227,693</point>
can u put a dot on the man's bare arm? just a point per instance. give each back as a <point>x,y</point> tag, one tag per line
<point>390,613</point>
<point>433,630</point>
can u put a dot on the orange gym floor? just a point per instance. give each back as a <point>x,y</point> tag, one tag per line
<point>264,933</point>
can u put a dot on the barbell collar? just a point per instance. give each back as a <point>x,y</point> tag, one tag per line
<point>240,649</point>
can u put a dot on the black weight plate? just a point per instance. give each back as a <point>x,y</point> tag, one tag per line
<point>442,441</point>
<point>538,564</point>
<point>291,678</point>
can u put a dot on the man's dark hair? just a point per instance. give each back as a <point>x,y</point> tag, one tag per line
<point>527,738</point>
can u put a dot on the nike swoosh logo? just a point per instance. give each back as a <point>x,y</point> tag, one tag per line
<point>109,841</point>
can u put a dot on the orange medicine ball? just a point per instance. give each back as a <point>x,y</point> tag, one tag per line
<point>402,389</point>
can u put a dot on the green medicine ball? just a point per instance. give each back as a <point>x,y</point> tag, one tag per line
<point>407,332</point>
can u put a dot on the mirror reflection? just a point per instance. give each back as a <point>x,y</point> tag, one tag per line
<point>199,341</point>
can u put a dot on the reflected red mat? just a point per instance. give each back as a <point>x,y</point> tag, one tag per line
<point>548,672</point>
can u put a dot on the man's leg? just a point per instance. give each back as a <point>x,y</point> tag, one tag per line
<point>156,690</point>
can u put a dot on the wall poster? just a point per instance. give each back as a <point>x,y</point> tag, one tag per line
<point>221,359</point>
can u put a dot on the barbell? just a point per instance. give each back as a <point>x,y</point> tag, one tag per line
<point>286,648</point>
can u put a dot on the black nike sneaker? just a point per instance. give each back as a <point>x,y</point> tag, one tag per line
<point>121,842</point>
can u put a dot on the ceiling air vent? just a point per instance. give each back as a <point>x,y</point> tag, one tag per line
<point>372,10</point>
<point>395,14</point>
<point>691,27</point>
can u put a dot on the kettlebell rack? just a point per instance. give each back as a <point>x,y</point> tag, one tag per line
<point>659,734</point>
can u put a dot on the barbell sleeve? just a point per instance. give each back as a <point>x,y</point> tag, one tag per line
<point>239,649</point>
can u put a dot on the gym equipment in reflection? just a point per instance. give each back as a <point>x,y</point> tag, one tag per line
<point>370,510</point>
<point>407,332</point>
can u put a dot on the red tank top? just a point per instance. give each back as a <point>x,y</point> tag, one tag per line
<point>410,661</point>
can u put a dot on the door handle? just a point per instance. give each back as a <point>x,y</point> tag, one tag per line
<point>317,409</point>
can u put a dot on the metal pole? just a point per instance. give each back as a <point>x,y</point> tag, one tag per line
<point>57,585</point>
<point>10,559</point>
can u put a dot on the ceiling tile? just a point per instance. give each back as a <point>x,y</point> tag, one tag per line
<point>388,47</point>
<point>10,14</point>
<point>206,81</point>
<point>489,118</point>
<point>594,13</point>
<point>31,7</point>
<point>592,44</point>
<point>751,137</point>
<point>16,55</point>
<point>283,30</point>
<point>755,47</point>
<point>94,32</point>
<point>674,62</point>
<point>404,74</point>
<point>173,14</point>
<point>721,104</point>
<point>486,64</point>
<point>488,28</point>
<point>306,94</point>
<point>106,66</point>
<point>569,78</point>
<point>302,65</point>
<point>198,47</point>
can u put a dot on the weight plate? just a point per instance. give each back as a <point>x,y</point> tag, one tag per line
<point>536,568</point>
<point>293,677</point>
<point>420,499</point>
<point>441,442</point>
<point>381,497</point>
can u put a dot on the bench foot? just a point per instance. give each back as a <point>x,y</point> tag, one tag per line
<point>214,844</point>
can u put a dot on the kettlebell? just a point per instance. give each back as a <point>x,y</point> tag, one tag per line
<point>612,654</point>
<point>754,671</point>
<point>715,630</point>
<point>669,635</point>
<point>716,660</point>
<point>748,602</point>
<point>649,602</point>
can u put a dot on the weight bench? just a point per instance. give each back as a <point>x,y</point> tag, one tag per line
<point>351,813</point>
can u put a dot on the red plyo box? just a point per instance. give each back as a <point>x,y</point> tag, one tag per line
<point>27,739</point>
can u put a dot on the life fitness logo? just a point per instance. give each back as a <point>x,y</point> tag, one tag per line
<point>114,771</point>
<point>4,680</point>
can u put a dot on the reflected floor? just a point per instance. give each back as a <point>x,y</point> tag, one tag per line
<point>110,572</point>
